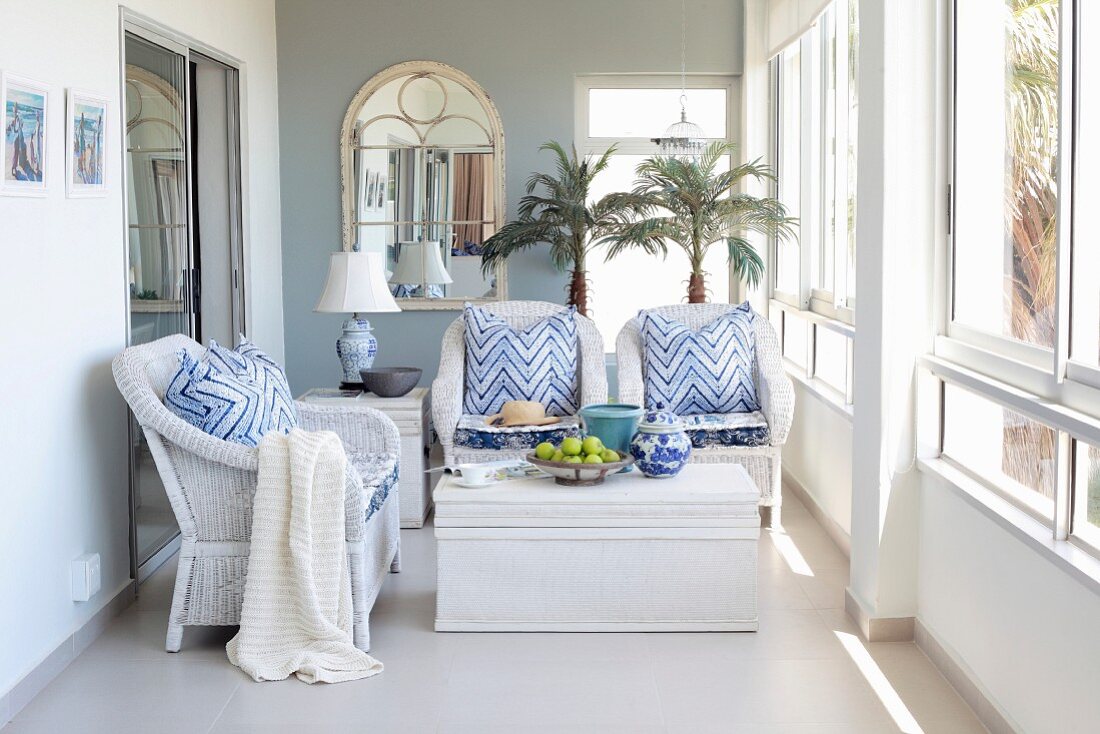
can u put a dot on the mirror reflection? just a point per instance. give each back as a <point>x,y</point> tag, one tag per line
<point>426,186</point>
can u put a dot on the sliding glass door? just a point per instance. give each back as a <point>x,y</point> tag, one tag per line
<point>183,229</point>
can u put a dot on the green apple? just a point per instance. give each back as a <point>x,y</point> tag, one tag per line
<point>558,456</point>
<point>574,459</point>
<point>592,445</point>
<point>609,456</point>
<point>544,450</point>
<point>593,459</point>
<point>571,446</point>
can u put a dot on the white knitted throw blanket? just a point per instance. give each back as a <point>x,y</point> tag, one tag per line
<point>297,612</point>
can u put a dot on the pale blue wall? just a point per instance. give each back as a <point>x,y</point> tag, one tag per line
<point>525,54</point>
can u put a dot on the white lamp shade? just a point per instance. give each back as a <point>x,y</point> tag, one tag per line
<point>416,266</point>
<point>356,284</point>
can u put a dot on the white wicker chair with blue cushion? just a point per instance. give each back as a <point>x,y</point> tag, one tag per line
<point>210,484</point>
<point>465,437</point>
<point>753,439</point>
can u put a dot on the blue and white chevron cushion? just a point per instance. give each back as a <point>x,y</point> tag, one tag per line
<point>705,371</point>
<point>538,363</point>
<point>248,361</point>
<point>219,403</point>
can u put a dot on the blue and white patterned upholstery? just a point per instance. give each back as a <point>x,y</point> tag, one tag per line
<point>217,402</point>
<point>538,363</point>
<point>727,429</point>
<point>379,474</point>
<point>473,433</point>
<point>697,372</point>
<point>248,361</point>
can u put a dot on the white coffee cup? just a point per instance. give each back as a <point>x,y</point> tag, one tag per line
<point>476,473</point>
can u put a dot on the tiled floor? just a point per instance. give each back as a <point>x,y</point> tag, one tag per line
<point>804,671</point>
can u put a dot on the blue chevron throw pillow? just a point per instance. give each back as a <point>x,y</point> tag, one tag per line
<point>538,363</point>
<point>217,402</point>
<point>705,371</point>
<point>248,361</point>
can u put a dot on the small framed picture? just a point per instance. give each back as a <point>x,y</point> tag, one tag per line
<point>86,145</point>
<point>381,197</point>
<point>24,148</point>
<point>372,189</point>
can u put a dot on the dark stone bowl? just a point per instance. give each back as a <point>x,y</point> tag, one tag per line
<point>390,382</point>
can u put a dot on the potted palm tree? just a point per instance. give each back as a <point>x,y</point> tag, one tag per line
<point>562,216</point>
<point>687,202</point>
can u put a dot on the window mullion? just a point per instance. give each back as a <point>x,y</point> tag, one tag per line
<point>807,207</point>
<point>1067,131</point>
<point>1063,478</point>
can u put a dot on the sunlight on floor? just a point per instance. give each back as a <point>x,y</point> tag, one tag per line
<point>879,683</point>
<point>786,547</point>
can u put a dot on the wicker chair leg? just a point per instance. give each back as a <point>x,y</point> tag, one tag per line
<point>174,640</point>
<point>395,564</point>
<point>777,494</point>
<point>184,570</point>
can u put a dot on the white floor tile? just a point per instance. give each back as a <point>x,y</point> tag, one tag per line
<point>791,677</point>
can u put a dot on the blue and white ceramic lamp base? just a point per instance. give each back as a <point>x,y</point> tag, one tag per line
<point>356,349</point>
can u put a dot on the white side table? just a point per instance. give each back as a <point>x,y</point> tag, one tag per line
<point>412,414</point>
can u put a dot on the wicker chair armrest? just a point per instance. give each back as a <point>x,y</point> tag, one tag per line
<point>355,505</point>
<point>774,388</point>
<point>593,376</point>
<point>628,355</point>
<point>362,429</point>
<point>447,388</point>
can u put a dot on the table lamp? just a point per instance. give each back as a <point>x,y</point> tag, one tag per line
<point>356,284</point>
<point>419,267</point>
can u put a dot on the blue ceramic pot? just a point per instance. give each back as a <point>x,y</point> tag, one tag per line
<point>614,423</point>
<point>661,447</point>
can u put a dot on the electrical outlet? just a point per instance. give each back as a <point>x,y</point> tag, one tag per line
<point>86,576</point>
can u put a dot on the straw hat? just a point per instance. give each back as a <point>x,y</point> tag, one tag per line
<point>521,413</point>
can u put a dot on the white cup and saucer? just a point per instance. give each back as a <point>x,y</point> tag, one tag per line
<point>473,476</point>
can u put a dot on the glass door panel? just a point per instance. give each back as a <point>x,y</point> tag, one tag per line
<point>159,240</point>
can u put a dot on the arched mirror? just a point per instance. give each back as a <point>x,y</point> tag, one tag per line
<point>422,167</point>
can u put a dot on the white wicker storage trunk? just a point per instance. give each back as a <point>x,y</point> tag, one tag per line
<point>412,415</point>
<point>634,554</point>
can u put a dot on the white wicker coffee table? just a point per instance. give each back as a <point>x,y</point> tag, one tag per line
<point>633,554</point>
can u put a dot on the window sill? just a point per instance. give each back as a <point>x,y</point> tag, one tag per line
<point>1073,560</point>
<point>817,319</point>
<point>827,394</point>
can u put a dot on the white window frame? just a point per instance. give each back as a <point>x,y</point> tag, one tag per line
<point>1042,384</point>
<point>586,145</point>
<point>814,217</point>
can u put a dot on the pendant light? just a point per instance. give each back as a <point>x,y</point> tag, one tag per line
<point>683,139</point>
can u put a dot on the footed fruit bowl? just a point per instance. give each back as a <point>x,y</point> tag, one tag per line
<point>579,474</point>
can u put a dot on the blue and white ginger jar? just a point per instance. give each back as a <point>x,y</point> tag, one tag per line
<point>661,447</point>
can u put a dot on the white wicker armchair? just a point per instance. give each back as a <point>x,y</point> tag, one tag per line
<point>774,392</point>
<point>210,484</point>
<point>449,385</point>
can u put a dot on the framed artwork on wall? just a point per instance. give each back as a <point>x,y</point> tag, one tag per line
<point>380,197</point>
<point>24,147</point>
<point>86,145</point>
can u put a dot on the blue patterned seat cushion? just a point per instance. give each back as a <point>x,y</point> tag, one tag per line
<point>473,433</point>
<point>698,372</point>
<point>247,361</point>
<point>379,473</point>
<point>538,363</point>
<point>219,403</point>
<point>727,429</point>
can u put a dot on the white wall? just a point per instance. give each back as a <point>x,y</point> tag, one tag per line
<point>1024,627</point>
<point>818,455</point>
<point>62,310</point>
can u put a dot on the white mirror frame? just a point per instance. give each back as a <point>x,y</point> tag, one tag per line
<point>347,152</point>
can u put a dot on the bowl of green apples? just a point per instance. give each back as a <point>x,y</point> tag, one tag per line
<point>579,462</point>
